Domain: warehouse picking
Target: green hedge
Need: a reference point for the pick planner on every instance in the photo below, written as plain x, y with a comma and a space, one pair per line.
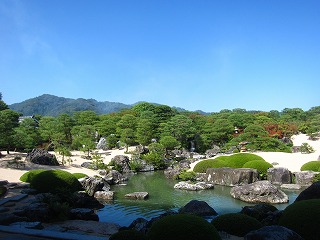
261, 166
232, 161
201, 167
239, 159
311, 166
184, 227
52, 181
303, 218
237, 224
28, 176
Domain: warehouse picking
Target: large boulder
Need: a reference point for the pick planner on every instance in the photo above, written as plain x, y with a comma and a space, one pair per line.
312, 192
83, 214
42, 157
305, 178
273, 233
231, 176
102, 144
279, 176
121, 162
114, 177
200, 208
259, 192
92, 185
193, 186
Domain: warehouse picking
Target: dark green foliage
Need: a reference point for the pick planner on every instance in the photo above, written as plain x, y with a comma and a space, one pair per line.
261, 166
187, 176
28, 176
128, 235
306, 148
184, 227
311, 166
79, 175
201, 167
237, 224
54, 181
303, 218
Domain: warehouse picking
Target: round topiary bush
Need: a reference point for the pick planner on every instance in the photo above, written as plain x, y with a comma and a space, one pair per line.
303, 218
184, 227
237, 224
311, 166
239, 159
201, 167
261, 166
28, 176
54, 181
128, 235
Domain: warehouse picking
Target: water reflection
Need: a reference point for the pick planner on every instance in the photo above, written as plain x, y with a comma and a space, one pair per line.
163, 197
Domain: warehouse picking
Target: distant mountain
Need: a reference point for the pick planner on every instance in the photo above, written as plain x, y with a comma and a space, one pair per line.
50, 105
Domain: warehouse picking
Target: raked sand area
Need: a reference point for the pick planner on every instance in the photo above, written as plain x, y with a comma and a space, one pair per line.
292, 161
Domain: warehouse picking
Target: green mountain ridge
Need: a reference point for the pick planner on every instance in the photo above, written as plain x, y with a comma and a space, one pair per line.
50, 105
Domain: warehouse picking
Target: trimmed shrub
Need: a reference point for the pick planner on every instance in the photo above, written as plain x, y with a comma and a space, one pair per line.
201, 167
303, 218
55, 181
311, 166
239, 159
28, 176
237, 224
79, 175
184, 227
128, 235
187, 176
261, 166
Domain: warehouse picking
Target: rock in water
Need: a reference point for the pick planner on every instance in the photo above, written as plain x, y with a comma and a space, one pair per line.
137, 195
200, 208
259, 192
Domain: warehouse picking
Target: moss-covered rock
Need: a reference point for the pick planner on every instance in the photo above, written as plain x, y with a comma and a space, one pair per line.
237, 224
184, 227
303, 218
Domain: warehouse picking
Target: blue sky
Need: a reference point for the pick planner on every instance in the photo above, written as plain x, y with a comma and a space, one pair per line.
205, 54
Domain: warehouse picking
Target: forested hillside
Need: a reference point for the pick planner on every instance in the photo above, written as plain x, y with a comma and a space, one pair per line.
160, 127
49, 105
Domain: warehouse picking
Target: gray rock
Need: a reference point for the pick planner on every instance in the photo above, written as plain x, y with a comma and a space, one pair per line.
104, 195
83, 214
92, 185
193, 186
273, 233
291, 186
122, 162
200, 208
29, 225
231, 176
42, 157
304, 178
172, 173
3, 182
102, 144
312, 192
81, 199
279, 176
115, 177
36, 211
259, 211
212, 152
259, 192
137, 195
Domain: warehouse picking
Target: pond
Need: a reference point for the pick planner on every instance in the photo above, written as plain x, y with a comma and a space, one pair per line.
163, 197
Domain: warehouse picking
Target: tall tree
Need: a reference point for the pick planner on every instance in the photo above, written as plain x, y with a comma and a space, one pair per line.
9, 120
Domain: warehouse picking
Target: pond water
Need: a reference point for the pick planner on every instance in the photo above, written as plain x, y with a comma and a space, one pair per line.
163, 197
